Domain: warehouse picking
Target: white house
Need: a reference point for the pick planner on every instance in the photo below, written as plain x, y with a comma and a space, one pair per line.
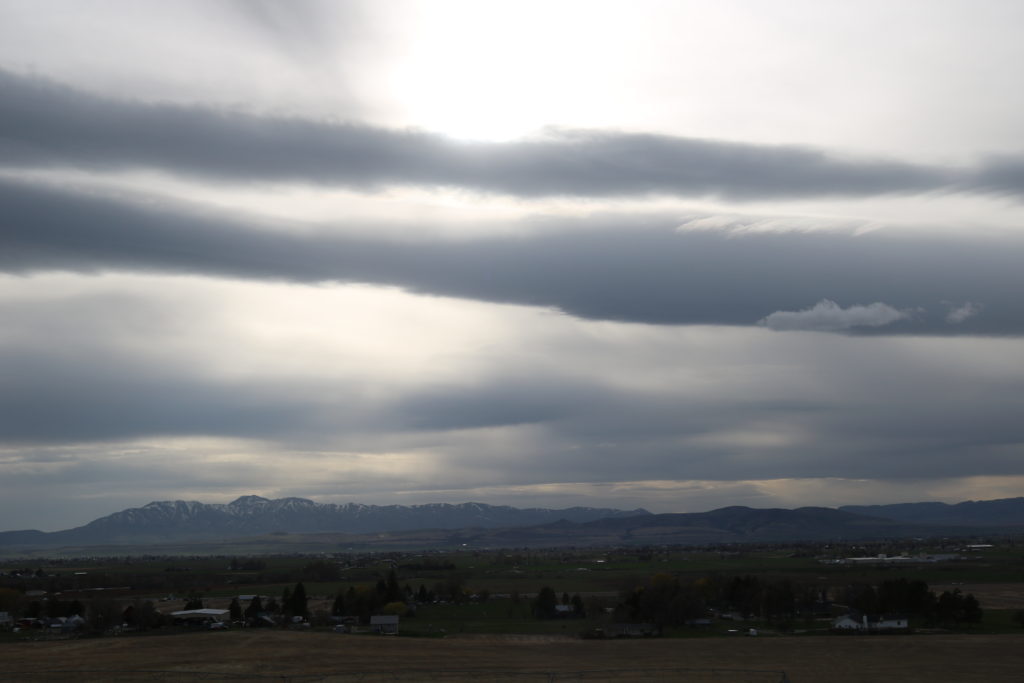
890, 622
848, 622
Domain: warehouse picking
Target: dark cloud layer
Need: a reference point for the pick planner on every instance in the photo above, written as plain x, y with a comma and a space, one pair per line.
93, 395
47, 124
617, 267
1000, 175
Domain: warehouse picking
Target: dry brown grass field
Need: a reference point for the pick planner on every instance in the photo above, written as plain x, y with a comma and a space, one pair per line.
283, 655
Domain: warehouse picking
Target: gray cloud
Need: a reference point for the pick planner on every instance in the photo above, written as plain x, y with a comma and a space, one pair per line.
1002, 175
857, 408
615, 267
47, 124
828, 316
96, 394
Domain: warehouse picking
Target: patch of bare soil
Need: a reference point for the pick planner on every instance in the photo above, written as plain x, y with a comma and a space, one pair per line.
297, 656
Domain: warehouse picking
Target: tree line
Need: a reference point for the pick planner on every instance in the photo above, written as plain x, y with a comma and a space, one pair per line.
666, 600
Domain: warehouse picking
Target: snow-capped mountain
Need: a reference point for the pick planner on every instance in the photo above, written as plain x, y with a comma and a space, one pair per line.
252, 515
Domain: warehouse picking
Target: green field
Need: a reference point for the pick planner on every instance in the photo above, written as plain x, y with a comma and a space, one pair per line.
494, 591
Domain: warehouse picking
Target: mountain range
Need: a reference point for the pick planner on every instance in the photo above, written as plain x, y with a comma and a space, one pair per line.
259, 522
1000, 512
181, 520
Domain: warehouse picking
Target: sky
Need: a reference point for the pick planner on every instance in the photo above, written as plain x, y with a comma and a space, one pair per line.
672, 255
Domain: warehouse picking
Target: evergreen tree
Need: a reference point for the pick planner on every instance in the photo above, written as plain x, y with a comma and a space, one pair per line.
664, 601
743, 593
235, 610
544, 605
393, 592
577, 605
338, 607
954, 608
147, 615
971, 609
299, 602
902, 595
103, 613
254, 608
56, 608
11, 601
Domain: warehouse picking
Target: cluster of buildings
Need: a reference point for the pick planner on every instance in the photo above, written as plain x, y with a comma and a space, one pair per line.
883, 559
53, 625
216, 619
857, 622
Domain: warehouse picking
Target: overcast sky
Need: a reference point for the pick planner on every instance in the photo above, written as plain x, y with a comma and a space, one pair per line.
677, 255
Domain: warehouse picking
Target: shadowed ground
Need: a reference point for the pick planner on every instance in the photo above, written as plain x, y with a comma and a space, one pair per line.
322, 656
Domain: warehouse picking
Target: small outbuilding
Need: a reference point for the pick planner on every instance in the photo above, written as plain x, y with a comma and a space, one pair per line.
385, 624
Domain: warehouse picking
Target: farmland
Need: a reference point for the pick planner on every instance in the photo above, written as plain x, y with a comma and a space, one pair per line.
474, 615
